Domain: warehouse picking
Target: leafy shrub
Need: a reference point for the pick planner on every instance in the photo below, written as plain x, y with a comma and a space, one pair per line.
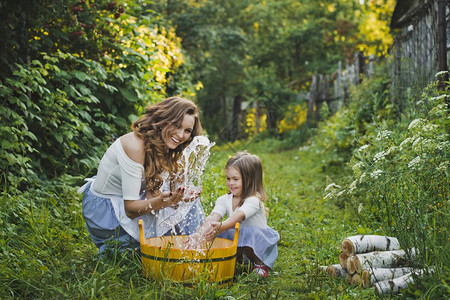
400, 185
61, 108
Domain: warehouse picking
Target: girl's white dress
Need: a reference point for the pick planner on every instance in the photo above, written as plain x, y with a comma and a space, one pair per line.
253, 231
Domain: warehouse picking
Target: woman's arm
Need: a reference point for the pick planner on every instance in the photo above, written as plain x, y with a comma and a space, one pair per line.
151, 204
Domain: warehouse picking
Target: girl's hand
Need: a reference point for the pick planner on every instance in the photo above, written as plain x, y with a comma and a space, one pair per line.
213, 231
193, 241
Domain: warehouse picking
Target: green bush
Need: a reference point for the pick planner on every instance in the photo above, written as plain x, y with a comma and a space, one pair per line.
91, 71
400, 185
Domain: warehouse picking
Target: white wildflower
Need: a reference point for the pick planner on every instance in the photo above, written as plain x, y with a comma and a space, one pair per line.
417, 142
415, 123
443, 145
405, 143
443, 166
361, 178
381, 155
352, 187
357, 167
440, 73
433, 99
384, 134
332, 185
328, 196
429, 127
439, 110
376, 174
340, 193
413, 164
363, 147
360, 207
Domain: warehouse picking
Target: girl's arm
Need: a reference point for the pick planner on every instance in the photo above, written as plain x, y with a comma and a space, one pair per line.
218, 227
198, 236
206, 225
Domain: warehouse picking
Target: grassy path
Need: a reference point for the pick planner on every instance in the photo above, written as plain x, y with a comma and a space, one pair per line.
310, 228
47, 252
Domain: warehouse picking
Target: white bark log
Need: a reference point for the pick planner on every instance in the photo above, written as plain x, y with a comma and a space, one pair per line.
356, 279
343, 260
336, 271
373, 275
393, 286
351, 266
348, 278
368, 243
378, 259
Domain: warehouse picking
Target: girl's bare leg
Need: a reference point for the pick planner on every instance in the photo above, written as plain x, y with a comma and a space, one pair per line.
251, 254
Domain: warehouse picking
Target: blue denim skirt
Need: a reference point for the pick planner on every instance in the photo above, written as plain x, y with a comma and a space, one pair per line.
106, 231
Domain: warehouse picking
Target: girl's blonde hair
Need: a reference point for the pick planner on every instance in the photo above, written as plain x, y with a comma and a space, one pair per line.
251, 170
149, 127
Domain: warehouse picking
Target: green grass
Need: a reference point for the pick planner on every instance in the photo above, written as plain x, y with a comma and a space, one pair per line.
47, 253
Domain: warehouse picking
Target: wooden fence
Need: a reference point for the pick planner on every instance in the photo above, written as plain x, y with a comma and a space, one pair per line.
420, 50
333, 89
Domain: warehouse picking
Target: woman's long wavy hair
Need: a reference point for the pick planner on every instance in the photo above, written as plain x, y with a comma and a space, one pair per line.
149, 127
251, 170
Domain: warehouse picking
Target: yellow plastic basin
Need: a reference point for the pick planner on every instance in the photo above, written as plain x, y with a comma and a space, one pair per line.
166, 258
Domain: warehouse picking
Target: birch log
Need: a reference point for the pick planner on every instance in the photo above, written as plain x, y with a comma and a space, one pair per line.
343, 260
393, 286
373, 275
368, 243
377, 259
336, 271
356, 279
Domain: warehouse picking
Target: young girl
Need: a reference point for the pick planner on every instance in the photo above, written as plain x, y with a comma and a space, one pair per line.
245, 204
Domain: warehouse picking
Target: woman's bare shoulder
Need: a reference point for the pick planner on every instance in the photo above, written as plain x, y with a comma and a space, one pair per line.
133, 147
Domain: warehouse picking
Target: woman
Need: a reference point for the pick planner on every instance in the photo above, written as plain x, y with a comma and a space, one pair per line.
135, 179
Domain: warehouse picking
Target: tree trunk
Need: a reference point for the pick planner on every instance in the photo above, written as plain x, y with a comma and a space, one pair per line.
368, 243
234, 130
371, 276
442, 45
377, 259
313, 94
257, 117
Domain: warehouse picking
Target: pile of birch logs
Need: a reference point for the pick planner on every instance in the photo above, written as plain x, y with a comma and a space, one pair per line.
374, 260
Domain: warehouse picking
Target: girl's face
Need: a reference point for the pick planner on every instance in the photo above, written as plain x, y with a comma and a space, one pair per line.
234, 181
176, 134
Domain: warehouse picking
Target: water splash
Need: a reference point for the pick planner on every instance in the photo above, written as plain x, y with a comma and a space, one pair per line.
193, 161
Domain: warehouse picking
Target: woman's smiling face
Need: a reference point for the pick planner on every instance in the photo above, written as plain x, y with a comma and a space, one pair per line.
177, 133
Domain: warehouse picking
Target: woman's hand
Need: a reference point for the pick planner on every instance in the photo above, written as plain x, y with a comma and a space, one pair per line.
172, 198
151, 204
190, 194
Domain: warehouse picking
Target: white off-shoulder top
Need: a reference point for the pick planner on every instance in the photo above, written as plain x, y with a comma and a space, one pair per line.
118, 174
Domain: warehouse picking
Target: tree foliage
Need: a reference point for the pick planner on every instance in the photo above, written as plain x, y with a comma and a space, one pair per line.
265, 52
74, 78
